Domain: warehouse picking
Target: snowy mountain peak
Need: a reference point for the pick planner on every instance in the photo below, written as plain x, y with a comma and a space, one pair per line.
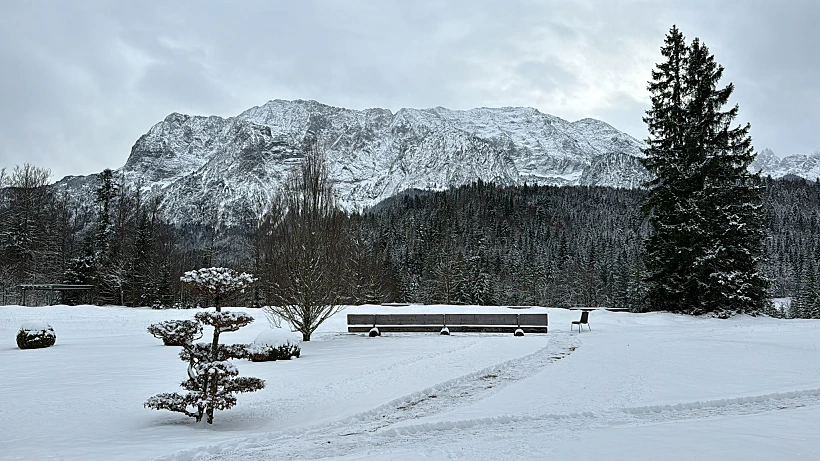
800, 165
209, 168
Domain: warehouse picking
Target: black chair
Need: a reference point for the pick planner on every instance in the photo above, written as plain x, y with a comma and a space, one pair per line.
584, 321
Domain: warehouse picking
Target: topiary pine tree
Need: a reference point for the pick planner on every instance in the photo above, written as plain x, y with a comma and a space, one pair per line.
218, 283
212, 380
705, 206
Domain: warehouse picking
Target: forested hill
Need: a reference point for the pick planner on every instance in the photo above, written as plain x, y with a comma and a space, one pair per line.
559, 246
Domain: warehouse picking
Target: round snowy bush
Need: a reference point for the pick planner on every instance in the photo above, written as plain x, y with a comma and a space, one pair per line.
275, 344
445, 331
374, 332
176, 332
35, 335
518, 332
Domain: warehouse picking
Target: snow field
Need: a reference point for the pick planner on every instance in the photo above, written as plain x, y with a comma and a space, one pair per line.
83, 398
647, 386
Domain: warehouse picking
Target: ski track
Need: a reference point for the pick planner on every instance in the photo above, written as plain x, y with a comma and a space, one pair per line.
371, 431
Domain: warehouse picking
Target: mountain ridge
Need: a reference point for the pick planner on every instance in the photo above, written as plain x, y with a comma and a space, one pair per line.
227, 170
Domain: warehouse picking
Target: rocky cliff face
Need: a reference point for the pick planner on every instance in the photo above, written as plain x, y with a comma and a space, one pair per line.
226, 170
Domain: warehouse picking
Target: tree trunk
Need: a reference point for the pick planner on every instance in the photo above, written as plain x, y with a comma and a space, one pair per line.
211, 384
305, 336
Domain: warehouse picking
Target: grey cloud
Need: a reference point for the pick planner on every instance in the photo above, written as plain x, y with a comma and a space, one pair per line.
82, 80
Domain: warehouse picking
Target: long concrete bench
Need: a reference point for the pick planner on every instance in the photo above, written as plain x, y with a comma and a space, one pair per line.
455, 323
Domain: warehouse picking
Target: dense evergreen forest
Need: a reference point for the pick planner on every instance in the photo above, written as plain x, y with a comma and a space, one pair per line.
564, 246
477, 244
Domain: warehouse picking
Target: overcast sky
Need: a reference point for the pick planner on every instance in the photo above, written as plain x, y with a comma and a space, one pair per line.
80, 80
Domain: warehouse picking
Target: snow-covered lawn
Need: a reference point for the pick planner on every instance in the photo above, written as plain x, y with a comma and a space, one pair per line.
637, 387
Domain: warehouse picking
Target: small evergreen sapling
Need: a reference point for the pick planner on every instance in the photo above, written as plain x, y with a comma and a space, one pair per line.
212, 380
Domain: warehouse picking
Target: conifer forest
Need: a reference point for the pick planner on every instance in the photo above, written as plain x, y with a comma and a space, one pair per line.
477, 244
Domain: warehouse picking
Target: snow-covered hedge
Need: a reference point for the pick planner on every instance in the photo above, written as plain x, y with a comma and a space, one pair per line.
176, 332
275, 344
35, 335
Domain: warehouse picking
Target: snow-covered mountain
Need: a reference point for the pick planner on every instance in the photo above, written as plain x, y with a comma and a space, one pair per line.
214, 169
227, 169
803, 165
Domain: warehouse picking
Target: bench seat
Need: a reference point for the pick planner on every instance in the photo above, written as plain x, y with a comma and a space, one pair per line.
455, 323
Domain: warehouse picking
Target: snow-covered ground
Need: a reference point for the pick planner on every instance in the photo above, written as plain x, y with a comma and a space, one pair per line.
637, 387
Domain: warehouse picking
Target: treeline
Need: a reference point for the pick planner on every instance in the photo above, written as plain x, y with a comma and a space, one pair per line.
476, 244
567, 246
117, 243
486, 244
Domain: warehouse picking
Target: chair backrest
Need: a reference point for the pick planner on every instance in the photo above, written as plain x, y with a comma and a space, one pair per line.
585, 317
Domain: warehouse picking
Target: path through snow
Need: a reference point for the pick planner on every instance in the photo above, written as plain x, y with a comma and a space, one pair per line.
391, 428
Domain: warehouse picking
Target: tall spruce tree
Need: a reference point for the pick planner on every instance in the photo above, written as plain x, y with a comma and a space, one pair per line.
705, 206
668, 255
730, 197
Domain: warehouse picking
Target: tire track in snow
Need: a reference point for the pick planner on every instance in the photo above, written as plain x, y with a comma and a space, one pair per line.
459, 391
433, 400
556, 424
321, 445
362, 382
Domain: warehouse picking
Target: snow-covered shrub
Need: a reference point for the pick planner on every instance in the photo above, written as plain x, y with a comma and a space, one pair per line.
445, 331
518, 332
176, 332
374, 332
179, 305
35, 335
212, 380
275, 344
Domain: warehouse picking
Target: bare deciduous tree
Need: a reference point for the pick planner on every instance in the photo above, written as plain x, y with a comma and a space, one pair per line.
305, 248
